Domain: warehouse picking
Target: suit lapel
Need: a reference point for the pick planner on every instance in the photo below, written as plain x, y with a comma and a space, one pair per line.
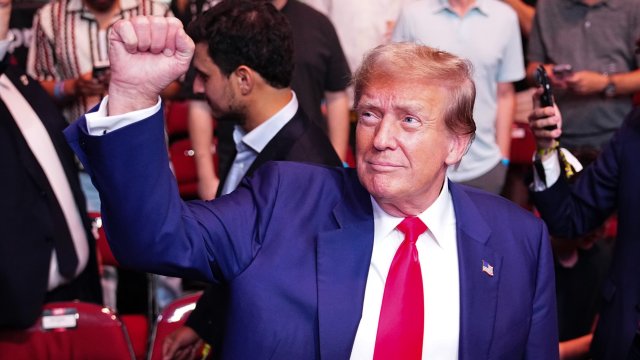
281, 144
478, 285
55, 124
24, 151
343, 259
226, 150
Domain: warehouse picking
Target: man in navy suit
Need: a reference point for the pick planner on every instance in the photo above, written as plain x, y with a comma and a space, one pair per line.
262, 51
607, 185
307, 250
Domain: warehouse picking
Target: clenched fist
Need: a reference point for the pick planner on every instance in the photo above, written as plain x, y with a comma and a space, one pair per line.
146, 54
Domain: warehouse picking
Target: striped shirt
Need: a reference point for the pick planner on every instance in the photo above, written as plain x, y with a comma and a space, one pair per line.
67, 43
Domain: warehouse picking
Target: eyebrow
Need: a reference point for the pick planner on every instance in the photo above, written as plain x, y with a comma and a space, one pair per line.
408, 106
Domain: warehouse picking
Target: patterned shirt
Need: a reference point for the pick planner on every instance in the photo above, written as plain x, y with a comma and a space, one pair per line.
67, 43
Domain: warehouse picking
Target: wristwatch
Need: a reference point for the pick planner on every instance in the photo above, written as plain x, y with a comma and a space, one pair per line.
610, 90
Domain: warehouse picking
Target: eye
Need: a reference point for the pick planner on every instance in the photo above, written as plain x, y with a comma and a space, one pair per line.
367, 117
202, 76
411, 121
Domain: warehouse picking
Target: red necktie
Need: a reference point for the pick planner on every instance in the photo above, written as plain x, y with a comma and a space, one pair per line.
401, 325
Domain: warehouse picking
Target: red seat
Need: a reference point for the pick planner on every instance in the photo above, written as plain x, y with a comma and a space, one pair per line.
172, 317
180, 150
137, 325
523, 144
69, 330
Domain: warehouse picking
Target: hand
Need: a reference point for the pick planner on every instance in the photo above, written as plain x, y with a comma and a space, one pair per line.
557, 82
85, 85
5, 15
146, 54
587, 82
181, 344
542, 117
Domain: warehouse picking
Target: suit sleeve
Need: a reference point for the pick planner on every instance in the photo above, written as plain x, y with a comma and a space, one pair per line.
148, 226
571, 211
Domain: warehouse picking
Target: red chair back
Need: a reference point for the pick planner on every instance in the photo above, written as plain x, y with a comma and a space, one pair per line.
523, 144
181, 152
172, 317
71, 331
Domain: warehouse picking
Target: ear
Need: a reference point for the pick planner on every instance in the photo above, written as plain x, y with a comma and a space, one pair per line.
458, 146
245, 79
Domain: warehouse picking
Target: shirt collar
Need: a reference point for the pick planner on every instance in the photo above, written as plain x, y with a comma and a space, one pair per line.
258, 138
437, 217
613, 4
441, 5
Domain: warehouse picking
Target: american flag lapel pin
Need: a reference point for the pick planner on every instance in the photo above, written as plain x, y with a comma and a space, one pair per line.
487, 268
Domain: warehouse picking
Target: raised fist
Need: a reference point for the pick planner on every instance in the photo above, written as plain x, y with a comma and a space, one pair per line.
146, 54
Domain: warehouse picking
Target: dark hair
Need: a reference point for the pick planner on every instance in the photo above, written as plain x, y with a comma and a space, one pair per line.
419, 63
247, 32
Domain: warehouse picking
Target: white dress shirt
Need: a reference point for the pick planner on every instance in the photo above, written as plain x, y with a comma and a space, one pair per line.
438, 254
552, 170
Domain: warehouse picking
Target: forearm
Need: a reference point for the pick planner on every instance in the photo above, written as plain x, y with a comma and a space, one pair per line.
5, 14
338, 121
201, 135
66, 89
504, 117
576, 348
626, 83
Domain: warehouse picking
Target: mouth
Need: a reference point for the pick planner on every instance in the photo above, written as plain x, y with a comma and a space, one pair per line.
383, 166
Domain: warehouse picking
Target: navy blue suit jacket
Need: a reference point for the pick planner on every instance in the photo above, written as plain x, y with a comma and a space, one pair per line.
299, 140
611, 183
294, 242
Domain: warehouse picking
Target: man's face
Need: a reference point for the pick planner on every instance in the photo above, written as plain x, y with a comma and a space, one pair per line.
100, 5
218, 88
403, 147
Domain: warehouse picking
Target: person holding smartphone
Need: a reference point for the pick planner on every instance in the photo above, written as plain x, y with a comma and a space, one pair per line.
587, 48
608, 185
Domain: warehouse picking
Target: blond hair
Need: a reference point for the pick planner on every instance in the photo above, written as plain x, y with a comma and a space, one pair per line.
426, 65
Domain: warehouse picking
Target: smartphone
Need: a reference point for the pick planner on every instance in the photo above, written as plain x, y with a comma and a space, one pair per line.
562, 71
546, 99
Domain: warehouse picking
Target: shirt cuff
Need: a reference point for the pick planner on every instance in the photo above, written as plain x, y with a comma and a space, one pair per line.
4, 45
98, 123
552, 170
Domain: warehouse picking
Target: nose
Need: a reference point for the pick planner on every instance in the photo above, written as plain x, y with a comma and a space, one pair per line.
198, 85
385, 137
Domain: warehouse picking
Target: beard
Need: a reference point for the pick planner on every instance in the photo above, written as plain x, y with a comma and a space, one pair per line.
234, 112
